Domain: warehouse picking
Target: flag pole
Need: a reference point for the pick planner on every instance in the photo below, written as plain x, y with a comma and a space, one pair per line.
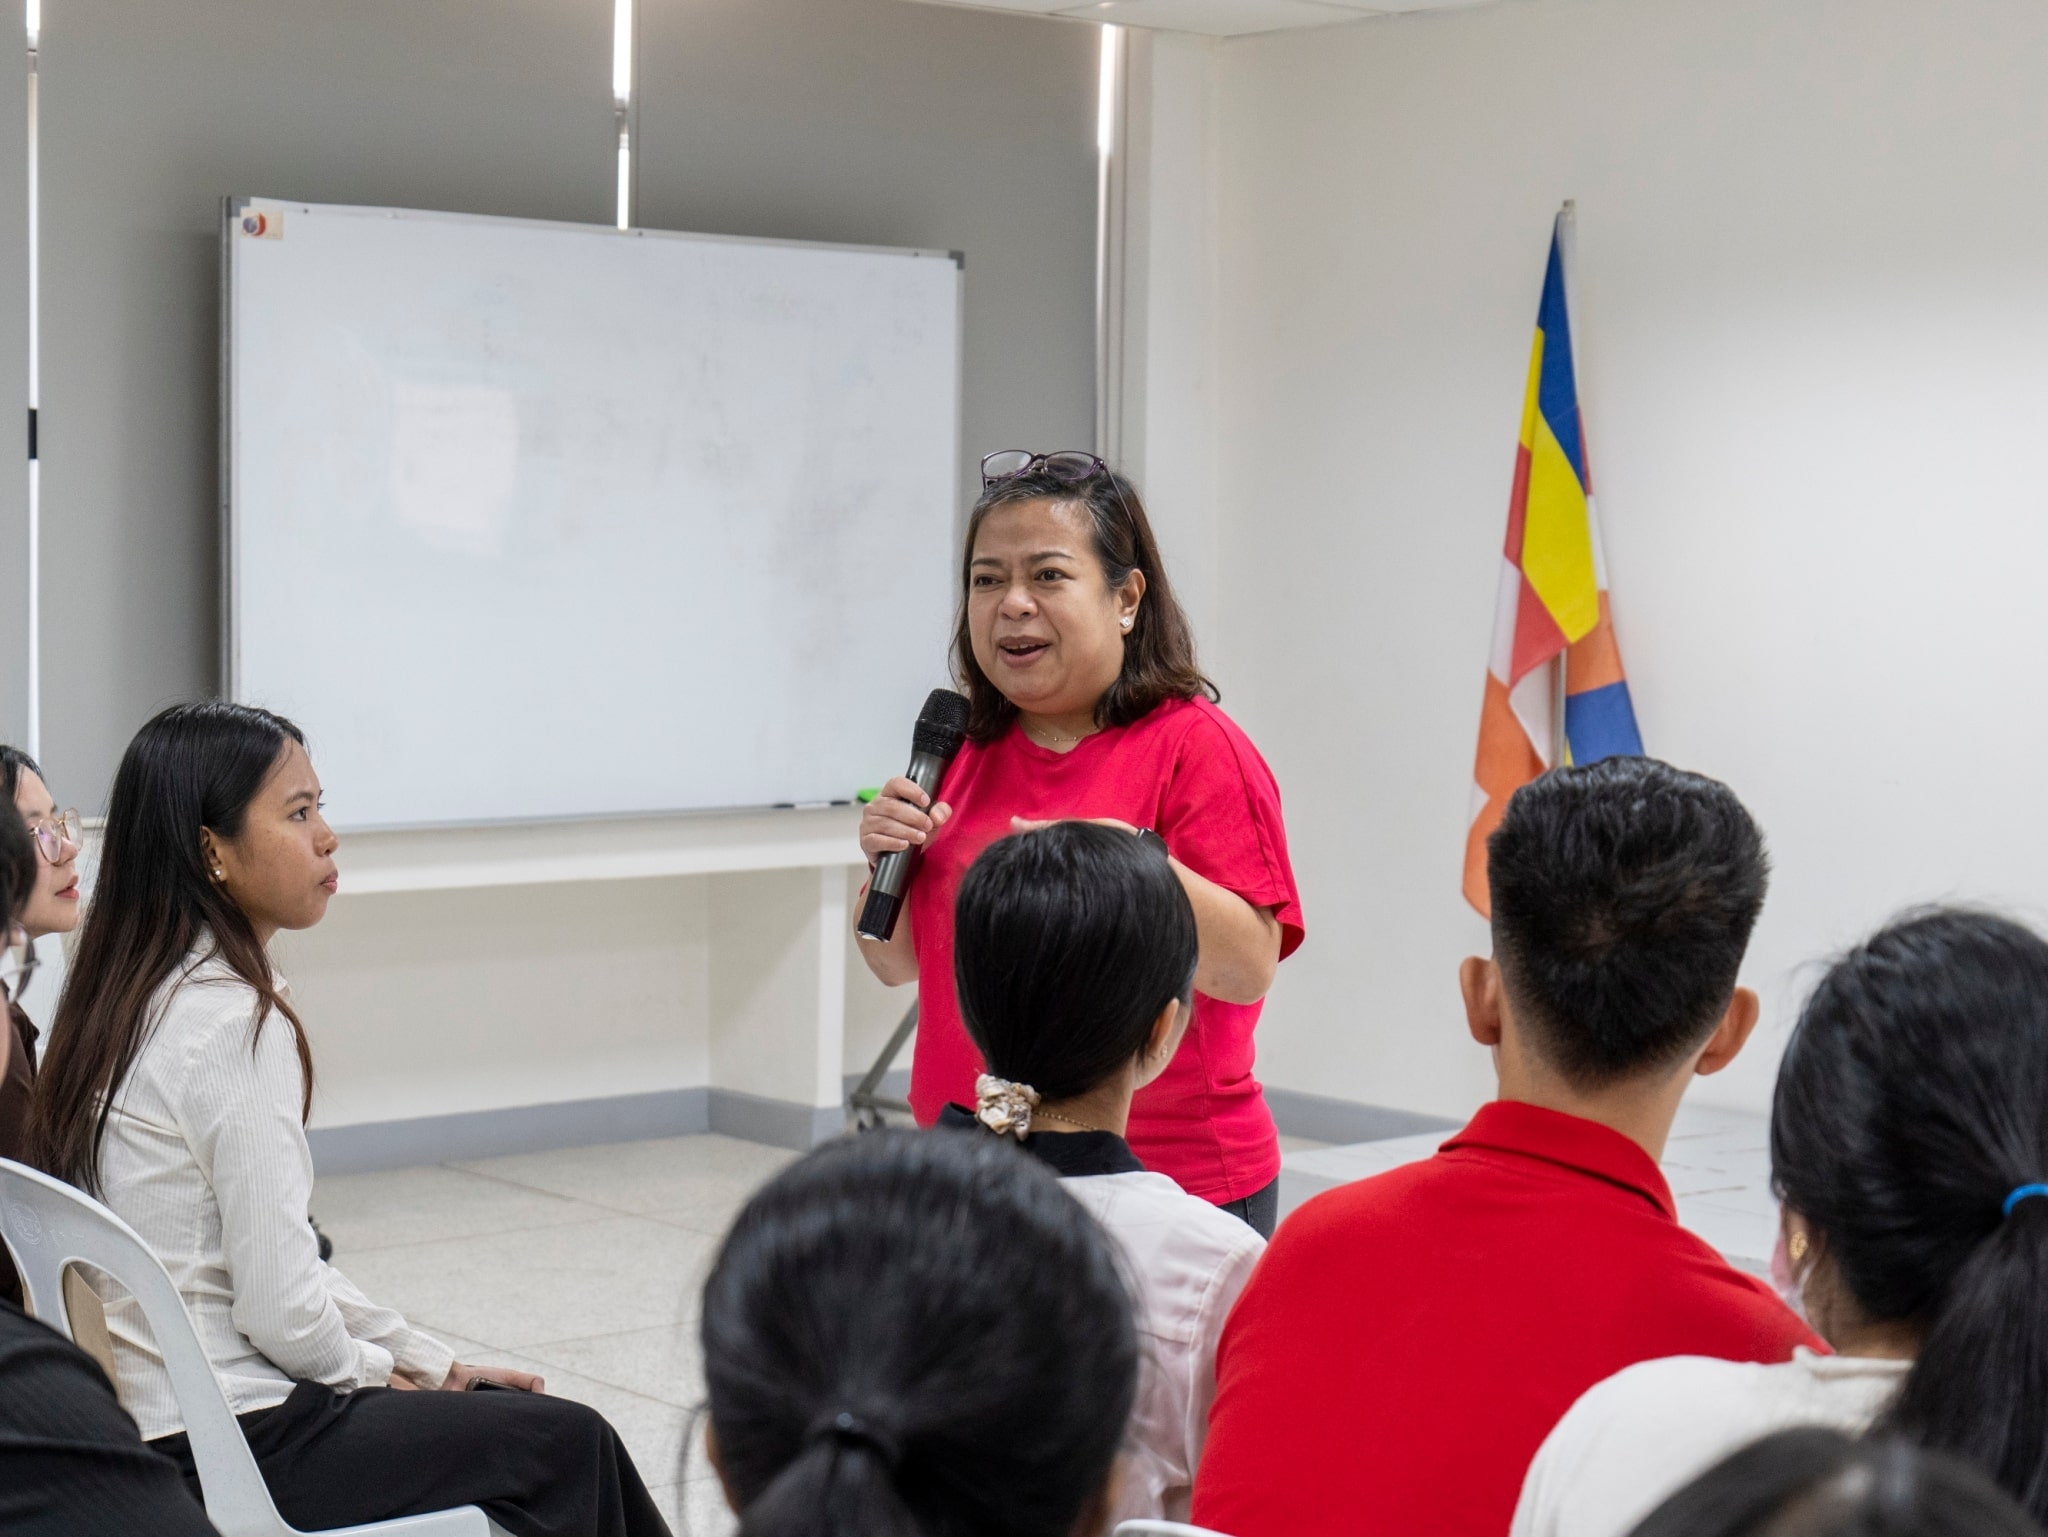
1567, 230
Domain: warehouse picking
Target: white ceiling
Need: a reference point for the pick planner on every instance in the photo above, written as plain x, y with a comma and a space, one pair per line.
1213, 18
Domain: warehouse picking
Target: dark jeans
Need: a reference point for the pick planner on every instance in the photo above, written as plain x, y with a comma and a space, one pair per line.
1259, 1211
538, 1466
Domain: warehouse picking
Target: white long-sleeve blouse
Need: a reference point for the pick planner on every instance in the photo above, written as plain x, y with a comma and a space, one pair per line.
205, 1157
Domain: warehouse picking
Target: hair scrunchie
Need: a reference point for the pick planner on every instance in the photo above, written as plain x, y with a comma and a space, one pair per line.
2020, 1193
1004, 1107
849, 1429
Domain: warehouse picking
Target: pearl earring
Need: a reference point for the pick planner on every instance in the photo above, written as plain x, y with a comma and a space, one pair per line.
1127, 621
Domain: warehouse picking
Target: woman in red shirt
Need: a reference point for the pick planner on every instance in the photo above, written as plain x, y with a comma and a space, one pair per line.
1085, 702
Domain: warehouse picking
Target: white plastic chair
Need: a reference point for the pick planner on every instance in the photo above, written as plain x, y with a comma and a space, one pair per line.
49, 1227
1162, 1529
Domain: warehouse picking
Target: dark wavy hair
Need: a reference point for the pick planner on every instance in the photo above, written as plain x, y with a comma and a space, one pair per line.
1067, 943
190, 767
910, 1334
1815, 1482
1913, 1098
1159, 652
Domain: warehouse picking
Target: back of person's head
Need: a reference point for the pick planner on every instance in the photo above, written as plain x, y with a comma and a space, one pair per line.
1813, 1482
909, 1334
1624, 893
17, 868
1911, 1105
191, 767
1068, 944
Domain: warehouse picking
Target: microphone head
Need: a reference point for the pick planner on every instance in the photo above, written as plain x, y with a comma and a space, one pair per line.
941, 724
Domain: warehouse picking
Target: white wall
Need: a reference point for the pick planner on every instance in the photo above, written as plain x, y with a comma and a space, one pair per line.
1815, 349
435, 1003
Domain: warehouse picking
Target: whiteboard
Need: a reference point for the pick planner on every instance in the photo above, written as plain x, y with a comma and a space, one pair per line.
529, 520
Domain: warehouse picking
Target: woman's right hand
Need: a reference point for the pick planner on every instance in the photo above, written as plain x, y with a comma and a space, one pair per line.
901, 817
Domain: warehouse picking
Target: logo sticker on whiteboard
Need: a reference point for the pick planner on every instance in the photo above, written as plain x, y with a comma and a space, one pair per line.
263, 223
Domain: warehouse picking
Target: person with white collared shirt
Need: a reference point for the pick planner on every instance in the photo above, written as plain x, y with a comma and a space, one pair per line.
176, 1089
1074, 960
1909, 1145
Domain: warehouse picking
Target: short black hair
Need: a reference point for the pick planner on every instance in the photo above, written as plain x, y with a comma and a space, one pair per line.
1624, 893
1816, 1482
1067, 943
917, 1335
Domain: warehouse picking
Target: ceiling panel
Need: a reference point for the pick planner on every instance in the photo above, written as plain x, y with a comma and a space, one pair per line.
1215, 18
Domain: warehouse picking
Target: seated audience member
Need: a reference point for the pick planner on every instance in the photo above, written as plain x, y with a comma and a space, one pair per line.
49, 906
71, 1464
175, 1089
1074, 962
1408, 1340
1819, 1483
907, 1333
1908, 1133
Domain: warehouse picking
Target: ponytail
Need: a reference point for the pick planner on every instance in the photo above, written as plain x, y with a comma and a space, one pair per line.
832, 1487
1980, 1385
908, 1335
1911, 1108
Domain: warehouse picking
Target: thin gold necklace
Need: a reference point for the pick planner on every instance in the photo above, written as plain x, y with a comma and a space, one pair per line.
1053, 738
1054, 1115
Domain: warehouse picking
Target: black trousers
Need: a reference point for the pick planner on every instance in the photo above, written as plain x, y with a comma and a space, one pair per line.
1260, 1210
538, 1466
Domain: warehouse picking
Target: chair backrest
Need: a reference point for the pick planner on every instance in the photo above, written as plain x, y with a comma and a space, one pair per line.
86, 1317
49, 1227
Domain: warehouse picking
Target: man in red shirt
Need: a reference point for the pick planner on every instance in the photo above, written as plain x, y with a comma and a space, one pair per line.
1408, 1340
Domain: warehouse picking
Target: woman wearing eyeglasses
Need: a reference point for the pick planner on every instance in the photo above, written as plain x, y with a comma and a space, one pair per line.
1085, 702
51, 908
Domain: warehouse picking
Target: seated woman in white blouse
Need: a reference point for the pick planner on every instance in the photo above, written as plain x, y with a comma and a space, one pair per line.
1909, 1145
176, 1088
1074, 961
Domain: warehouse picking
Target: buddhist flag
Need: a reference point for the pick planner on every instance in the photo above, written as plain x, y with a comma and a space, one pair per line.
1551, 625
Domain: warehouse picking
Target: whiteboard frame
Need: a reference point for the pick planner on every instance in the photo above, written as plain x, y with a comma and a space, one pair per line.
232, 208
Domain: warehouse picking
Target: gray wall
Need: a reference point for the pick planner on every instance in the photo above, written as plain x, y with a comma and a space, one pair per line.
883, 123
14, 395
857, 120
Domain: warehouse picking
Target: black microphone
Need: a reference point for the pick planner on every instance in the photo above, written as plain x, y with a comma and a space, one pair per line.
941, 728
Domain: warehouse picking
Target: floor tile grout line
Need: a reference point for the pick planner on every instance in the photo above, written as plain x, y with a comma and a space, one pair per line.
607, 1215
623, 1211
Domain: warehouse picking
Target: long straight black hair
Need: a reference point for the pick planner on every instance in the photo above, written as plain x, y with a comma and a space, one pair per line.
917, 1335
192, 766
1912, 1102
13, 764
17, 868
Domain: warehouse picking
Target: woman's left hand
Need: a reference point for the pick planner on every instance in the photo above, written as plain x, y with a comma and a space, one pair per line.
1239, 943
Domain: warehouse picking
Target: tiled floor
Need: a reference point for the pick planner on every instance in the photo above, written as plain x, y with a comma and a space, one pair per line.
1718, 1163
583, 1265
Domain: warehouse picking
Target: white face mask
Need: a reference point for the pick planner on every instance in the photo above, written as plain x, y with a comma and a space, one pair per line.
1785, 1284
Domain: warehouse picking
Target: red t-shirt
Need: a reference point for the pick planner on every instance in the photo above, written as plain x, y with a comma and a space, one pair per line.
1186, 771
1408, 1341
